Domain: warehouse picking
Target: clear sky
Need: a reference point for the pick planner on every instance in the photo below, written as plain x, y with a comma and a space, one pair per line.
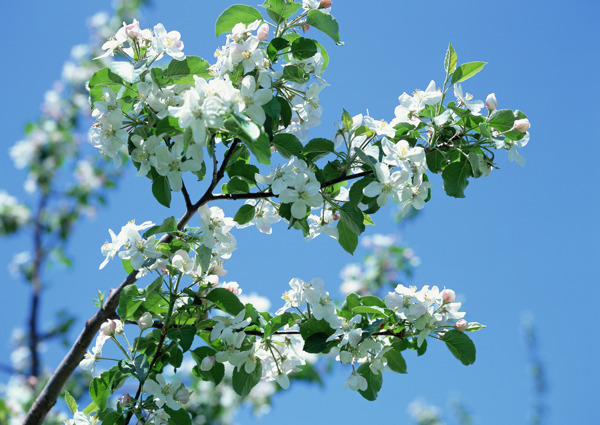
525, 239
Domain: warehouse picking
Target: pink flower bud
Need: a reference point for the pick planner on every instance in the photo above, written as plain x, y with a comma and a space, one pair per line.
124, 400
232, 287
490, 102
207, 363
325, 4
145, 321
522, 125
263, 32
108, 327
182, 395
133, 30
448, 296
461, 325
306, 27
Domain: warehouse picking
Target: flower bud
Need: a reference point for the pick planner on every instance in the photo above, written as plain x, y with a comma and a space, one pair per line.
108, 327
263, 32
325, 4
133, 30
145, 321
207, 363
124, 400
522, 125
461, 325
448, 296
305, 27
182, 395
490, 102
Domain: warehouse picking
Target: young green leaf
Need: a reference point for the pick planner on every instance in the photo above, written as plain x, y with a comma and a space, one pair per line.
450, 59
70, 402
245, 214
466, 71
234, 15
324, 22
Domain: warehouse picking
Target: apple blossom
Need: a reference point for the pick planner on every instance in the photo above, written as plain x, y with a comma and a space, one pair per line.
490, 102
522, 125
461, 325
145, 321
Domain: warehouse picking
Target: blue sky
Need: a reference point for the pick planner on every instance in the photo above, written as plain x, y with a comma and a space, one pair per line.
525, 239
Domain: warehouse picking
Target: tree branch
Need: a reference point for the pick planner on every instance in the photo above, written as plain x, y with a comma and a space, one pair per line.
47, 398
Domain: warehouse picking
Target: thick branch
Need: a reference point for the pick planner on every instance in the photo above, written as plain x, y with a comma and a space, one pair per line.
49, 394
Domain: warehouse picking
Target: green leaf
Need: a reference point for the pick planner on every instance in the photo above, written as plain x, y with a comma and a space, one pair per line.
243, 170
316, 343
502, 119
461, 346
374, 380
272, 108
280, 10
304, 48
129, 301
436, 160
275, 46
127, 266
225, 301
90, 408
110, 417
295, 74
261, 149
478, 164
102, 386
314, 333
353, 218
71, 402
395, 361
169, 225
318, 148
347, 238
184, 336
182, 72
287, 145
203, 257
234, 15
456, 177
286, 111
177, 417
236, 185
245, 214
347, 120
474, 326
244, 382
278, 322
466, 71
161, 189
168, 125
324, 22
104, 78
356, 190
450, 59
216, 373
374, 311
142, 367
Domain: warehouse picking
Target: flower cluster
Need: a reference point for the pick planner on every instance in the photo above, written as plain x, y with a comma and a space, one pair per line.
13, 215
